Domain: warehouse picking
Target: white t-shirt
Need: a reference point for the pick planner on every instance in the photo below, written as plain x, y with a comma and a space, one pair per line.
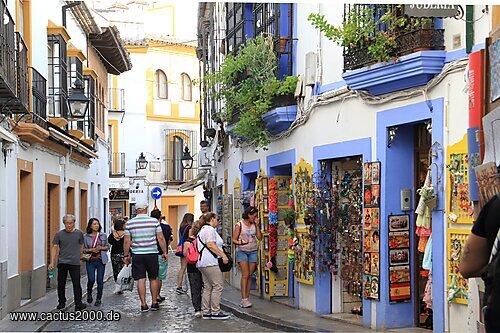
208, 234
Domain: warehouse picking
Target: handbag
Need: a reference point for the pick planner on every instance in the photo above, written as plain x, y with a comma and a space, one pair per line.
87, 256
226, 267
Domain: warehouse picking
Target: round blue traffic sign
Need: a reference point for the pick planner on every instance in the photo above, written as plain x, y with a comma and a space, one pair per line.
156, 193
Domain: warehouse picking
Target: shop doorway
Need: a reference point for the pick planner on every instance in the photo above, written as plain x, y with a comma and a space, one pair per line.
341, 181
52, 221
25, 227
173, 221
422, 146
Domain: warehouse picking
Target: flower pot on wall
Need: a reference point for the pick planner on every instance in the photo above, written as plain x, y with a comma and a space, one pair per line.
283, 44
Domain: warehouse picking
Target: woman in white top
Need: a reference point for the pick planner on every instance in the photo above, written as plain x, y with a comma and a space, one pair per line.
245, 236
209, 245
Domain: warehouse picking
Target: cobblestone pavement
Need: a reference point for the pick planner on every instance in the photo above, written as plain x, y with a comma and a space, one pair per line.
176, 313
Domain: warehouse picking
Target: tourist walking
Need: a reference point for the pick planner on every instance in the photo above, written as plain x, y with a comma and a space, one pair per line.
245, 236
187, 222
209, 245
194, 274
141, 234
67, 251
162, 264
95, 243
115, 239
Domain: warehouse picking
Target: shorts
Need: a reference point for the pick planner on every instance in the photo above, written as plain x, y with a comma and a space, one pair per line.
248, 256
162, 269
145, 263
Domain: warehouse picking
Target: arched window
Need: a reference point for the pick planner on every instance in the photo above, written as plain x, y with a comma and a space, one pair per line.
186, 87
161, 90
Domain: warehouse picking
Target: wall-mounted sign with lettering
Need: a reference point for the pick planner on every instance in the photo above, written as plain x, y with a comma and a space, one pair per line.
431, 10
118, 195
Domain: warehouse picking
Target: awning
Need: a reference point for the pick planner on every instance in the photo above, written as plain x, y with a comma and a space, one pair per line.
197, 181
111, 49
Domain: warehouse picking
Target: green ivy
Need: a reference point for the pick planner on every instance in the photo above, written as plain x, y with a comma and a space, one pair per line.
246, 82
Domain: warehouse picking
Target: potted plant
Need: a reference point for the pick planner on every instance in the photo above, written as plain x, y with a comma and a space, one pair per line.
246, 82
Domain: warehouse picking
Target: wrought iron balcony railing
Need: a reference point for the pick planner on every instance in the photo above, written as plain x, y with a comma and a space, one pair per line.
22, 90
117, 164
116, 100
177, 140
416, 34
39, 101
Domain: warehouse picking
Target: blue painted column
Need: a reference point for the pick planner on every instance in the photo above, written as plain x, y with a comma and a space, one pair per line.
395, 176
280, 164
323, 282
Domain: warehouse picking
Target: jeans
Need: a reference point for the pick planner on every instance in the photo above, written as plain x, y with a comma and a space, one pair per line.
62, 275
92, 266
196, 285
213, 284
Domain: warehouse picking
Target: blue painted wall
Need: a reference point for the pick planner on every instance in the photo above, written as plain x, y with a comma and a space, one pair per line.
249, 172
323, 282
394, 177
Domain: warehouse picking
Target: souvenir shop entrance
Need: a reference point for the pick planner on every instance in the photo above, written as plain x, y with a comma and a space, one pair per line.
423, 279
343, 184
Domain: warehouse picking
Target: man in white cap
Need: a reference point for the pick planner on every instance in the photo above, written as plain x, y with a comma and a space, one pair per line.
141, 234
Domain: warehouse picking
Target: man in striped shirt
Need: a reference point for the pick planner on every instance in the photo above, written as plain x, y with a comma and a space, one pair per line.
141, 234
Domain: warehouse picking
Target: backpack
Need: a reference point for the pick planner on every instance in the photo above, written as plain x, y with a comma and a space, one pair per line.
191, 252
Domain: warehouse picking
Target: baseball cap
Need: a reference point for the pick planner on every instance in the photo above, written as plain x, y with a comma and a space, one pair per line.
141, 204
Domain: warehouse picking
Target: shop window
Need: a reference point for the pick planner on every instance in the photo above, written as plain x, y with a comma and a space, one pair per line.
58, 77
161, 84
186, 87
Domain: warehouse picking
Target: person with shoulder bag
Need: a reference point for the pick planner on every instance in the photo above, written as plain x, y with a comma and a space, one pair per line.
194, 275
95, 244
187, 222
481, 258
209, 245
245, 236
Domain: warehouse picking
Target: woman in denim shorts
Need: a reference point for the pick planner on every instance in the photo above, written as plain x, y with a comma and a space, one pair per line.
245, 236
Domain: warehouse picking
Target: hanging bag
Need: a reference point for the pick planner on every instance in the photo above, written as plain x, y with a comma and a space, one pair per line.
124, 280
87, 256
223, 267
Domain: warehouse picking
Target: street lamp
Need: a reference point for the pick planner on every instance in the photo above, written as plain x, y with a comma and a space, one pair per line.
141, 163
77, 101
187, 159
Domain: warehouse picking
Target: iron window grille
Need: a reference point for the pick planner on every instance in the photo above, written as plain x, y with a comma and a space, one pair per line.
235, 26
89, 128
176, 140
58, 77
39, 102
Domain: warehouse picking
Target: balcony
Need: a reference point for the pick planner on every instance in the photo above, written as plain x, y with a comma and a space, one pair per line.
39, 102
418, 56
116, 100
117, 165
14, 89
177, 140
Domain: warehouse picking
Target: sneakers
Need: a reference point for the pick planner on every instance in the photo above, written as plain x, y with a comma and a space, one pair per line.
98, 302
61, 306
160, 299
220, 316
89, 298
144, 308
80, 307
180, 291
245, 303
197, 314
206, 316
155, 307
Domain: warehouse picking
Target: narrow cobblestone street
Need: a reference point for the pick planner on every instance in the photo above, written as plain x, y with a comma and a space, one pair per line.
176, 313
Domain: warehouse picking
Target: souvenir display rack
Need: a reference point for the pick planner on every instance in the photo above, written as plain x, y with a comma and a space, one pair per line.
458, 200
457, 285
304, 262
371, 227
399, 258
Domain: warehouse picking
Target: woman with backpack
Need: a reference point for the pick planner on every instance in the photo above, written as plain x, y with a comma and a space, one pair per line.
245, 236
194, 274
209, 245
187, 222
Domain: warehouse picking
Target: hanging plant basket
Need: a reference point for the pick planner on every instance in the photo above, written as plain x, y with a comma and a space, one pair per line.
431, 203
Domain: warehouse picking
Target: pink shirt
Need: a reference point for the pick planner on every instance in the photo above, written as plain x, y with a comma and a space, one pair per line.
247, 234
